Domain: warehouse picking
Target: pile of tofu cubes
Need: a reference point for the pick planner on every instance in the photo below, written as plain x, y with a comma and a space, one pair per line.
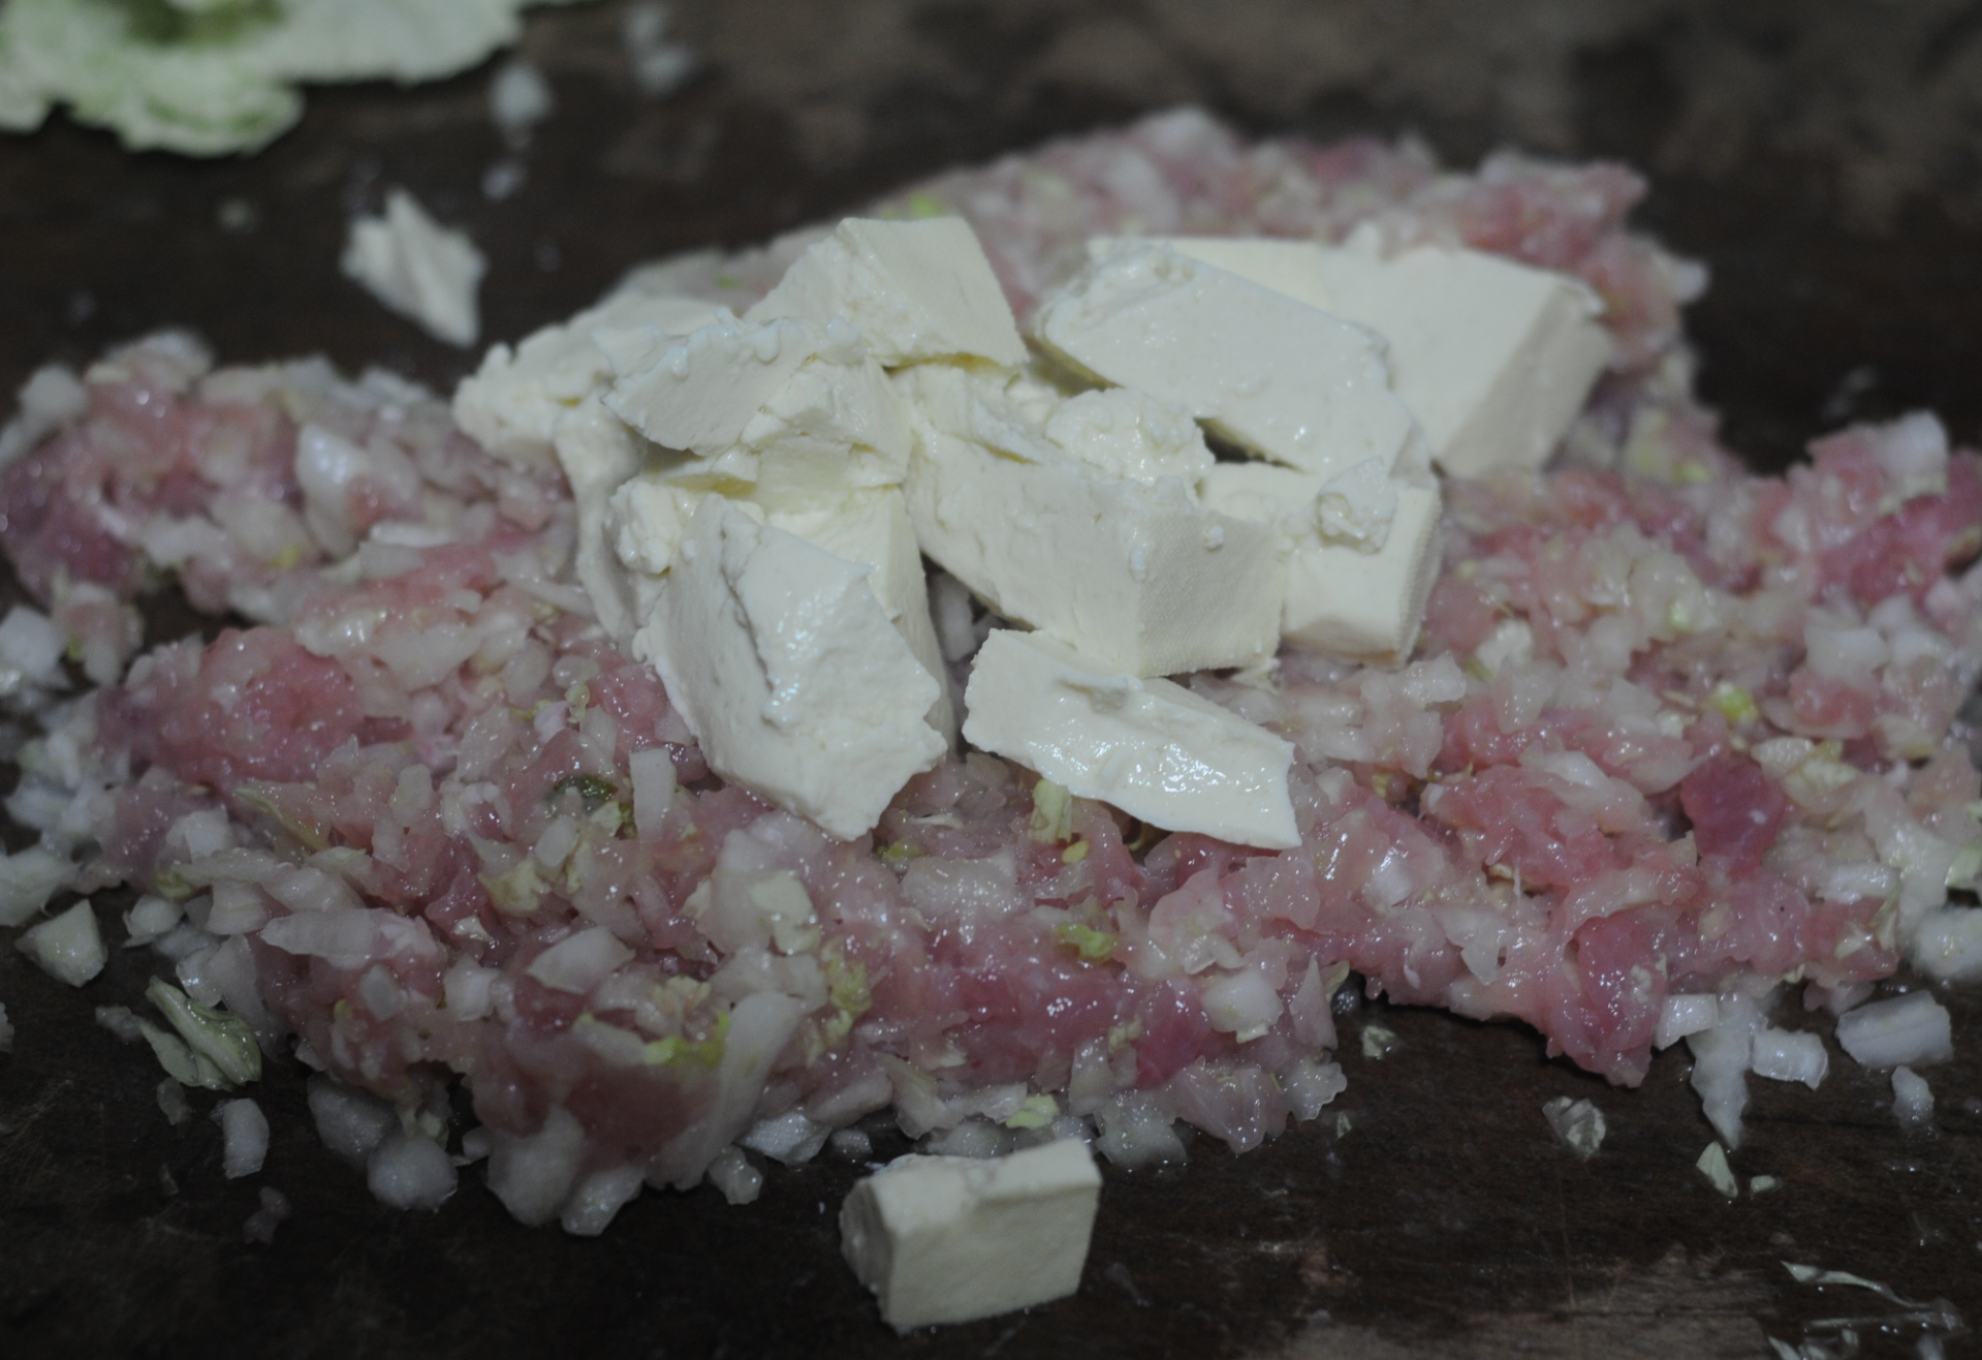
756, 495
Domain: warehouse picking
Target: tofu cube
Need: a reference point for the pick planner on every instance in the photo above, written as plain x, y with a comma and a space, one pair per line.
788, 670
916, 291
949, 1239
1283, 380
1493, 357
512, 403
1340, 597
1137, 576
1149, 747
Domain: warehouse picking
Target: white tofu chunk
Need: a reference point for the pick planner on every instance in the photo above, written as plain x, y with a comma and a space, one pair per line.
789, 672
424, 271
512, 402
1494, 358
1283, 380
836, 425
646, 516
949, 1239
872, 527
1130, 434
699, 392
1137, 576
598, 454
788, 411
1147, 746
917, 290
1340, 598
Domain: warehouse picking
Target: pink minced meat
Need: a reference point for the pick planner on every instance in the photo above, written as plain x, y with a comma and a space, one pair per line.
1669, 726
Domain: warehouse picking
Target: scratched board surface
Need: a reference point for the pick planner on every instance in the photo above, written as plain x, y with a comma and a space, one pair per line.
1823, 163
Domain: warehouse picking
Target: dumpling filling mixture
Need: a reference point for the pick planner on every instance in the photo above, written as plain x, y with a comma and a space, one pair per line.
600, 742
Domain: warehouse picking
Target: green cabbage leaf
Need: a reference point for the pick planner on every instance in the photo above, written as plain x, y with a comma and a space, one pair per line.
210, 77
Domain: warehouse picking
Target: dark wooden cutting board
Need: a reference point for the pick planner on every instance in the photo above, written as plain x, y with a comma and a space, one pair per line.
1826, 163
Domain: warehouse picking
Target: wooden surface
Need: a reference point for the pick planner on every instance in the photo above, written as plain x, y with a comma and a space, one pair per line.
1824, 161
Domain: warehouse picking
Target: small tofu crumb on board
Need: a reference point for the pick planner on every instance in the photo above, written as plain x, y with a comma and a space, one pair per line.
424, 271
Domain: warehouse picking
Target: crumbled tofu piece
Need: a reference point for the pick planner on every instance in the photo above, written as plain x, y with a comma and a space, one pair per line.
872, 527
646, 515
418, 268
784, 411
511, 403
836, 425
1130, 434
1147, 746
1494, 358
788, 670
1284, 380
1339, 598
645, 518
1136, 576
598, 454
916, 290
699, 392
948, 1239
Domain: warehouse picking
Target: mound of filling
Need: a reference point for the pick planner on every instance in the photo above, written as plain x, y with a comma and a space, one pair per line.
458, 790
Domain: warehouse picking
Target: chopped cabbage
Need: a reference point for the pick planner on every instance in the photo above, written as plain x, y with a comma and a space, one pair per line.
209, 77
212, 1049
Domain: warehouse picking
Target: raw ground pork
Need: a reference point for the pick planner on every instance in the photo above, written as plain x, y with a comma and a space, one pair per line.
1671, 730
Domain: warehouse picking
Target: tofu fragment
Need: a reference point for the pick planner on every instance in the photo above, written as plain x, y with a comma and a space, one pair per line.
916, 290
1283, 380
1137, 576
512, 402
1493, 357
698, 393
1130, 434
418, 268
872, 527
949, 1239
646, 516
1147, 746
599, 453
787, 411
1340, 597
789, 672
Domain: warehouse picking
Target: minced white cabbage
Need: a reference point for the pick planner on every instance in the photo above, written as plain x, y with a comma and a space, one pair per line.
27, 881
350, 1122
244, 1128
410, 1171
68, 947
1913, 1100
221, 76
1578, 1124
733, 1174
1911, 1029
